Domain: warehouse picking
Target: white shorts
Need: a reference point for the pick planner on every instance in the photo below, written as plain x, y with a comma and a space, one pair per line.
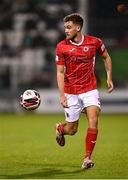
77, 102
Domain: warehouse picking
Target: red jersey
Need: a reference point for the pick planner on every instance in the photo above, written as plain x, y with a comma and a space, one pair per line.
79, 61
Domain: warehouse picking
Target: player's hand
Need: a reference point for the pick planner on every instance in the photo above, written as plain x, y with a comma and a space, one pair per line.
110, 86
63, 101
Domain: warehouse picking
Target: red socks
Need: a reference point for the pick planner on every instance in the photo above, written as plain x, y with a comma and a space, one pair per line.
90, 140
61, 128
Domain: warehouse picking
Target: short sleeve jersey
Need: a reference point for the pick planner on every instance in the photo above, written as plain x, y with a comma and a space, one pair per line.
79, 61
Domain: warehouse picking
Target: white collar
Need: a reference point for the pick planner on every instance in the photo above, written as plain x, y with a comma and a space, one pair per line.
77, 44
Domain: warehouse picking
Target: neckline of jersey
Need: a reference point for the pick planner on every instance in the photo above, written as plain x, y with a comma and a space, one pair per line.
77, 44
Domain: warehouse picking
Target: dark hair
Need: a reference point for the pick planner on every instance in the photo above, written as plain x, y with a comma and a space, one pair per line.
75, 18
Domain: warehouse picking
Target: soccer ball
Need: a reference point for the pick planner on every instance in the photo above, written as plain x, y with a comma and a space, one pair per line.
30, 100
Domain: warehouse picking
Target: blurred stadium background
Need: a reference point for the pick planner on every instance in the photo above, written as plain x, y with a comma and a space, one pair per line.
29, 32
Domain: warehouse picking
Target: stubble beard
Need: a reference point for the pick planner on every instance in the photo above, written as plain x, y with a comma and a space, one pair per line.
72, 38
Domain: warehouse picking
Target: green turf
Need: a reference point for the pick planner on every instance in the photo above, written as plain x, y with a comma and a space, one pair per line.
28, 148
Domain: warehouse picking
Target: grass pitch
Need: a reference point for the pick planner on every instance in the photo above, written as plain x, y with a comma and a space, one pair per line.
28, 148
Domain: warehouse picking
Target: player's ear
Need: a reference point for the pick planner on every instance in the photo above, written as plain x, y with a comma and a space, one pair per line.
78, 28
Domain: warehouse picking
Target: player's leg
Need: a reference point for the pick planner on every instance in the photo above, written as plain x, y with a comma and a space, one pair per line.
92, 110
72, 117
91, 135
68, 128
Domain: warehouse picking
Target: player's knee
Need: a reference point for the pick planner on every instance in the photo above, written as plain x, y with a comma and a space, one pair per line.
93, 122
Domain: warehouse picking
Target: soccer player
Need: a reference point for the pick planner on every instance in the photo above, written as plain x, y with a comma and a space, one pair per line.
75, 60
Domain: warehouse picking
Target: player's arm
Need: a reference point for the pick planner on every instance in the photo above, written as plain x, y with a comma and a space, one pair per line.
108, 67
60, 82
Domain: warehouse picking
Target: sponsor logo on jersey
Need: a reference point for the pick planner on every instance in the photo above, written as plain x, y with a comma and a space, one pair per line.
79, 59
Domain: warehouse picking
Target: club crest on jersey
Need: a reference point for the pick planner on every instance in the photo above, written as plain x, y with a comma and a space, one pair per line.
85, 48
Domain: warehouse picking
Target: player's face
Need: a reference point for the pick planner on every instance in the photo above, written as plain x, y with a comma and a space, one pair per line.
71, 30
